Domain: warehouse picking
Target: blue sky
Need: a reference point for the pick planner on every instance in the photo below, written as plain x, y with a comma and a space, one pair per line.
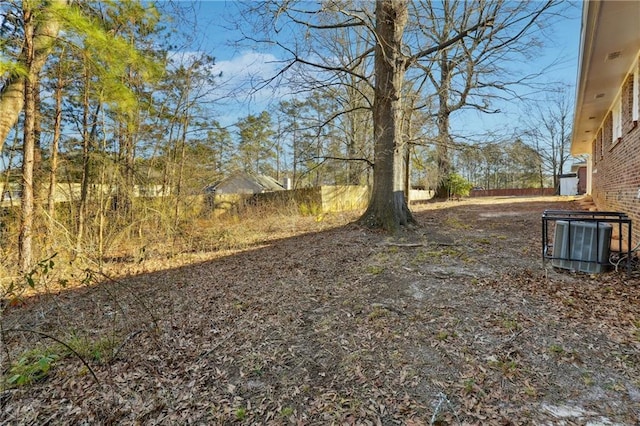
236, 65
214, 37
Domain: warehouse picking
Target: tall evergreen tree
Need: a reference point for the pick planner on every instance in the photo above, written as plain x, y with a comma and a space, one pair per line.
255, 143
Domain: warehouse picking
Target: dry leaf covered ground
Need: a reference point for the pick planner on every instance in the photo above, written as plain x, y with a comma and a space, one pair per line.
454, 322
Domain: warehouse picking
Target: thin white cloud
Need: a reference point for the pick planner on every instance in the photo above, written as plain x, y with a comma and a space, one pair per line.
240, 78
235, 93
248, 65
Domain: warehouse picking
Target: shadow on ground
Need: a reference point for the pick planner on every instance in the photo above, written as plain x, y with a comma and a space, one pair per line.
454, 322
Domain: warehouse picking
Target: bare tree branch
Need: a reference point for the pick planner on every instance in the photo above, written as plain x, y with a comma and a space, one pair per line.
426, 52
328, 157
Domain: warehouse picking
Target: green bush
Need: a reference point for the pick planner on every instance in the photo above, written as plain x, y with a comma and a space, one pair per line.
459, 186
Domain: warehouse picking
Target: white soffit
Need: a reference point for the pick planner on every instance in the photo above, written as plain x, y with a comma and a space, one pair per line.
610, 42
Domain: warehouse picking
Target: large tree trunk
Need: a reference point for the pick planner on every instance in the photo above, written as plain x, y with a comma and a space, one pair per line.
387, 206
28, 148
444, 137
12, 93
442, 156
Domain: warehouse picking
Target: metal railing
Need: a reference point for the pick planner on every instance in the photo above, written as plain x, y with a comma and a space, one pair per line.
621, 219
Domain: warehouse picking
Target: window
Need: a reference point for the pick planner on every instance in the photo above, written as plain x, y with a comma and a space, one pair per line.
616, 115
635, 109
607, 133
600, 147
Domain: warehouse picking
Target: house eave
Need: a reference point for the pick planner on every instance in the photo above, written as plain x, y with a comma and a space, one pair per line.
609, 42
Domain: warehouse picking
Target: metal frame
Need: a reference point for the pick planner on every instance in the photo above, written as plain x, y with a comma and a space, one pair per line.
584, 216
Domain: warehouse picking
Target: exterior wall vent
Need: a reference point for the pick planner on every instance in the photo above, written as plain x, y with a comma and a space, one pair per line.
581, 246
613, 55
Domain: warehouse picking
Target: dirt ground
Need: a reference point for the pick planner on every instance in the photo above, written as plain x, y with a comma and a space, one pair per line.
457, 321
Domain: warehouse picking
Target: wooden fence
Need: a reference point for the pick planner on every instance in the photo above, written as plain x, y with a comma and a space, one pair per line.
513, 192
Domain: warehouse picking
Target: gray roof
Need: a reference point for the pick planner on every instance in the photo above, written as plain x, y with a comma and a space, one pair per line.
245, 183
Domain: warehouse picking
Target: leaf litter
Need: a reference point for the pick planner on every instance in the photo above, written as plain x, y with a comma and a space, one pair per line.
457, 321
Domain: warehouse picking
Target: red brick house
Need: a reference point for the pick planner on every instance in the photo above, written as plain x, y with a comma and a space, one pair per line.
608, 106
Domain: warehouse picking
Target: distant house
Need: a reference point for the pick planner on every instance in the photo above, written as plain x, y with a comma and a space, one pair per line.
231, 193
607, 109
244, 183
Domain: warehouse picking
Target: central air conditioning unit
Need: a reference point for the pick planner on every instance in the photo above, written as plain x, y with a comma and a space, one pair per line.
581, 246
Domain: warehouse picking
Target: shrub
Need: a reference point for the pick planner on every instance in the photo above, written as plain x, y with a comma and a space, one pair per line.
459, 186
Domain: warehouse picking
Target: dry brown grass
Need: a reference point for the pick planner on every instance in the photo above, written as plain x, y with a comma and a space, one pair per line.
304, 321
153, 245
453, 322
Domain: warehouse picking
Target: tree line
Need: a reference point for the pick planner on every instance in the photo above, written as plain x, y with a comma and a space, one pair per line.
111, 95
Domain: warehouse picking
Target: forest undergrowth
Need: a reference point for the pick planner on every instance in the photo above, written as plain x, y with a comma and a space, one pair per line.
293, 319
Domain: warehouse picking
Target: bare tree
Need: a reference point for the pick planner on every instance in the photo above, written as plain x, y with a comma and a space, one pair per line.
478, 70
393, 56
388, 207
549, 132
60, 82
525, 164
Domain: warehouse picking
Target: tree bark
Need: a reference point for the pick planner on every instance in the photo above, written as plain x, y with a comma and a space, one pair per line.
86, 164
57, 123
179, 183
444, 137
387, 207
28, 147
12, 95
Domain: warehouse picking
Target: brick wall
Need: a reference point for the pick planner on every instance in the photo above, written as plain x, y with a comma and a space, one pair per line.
616, 164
